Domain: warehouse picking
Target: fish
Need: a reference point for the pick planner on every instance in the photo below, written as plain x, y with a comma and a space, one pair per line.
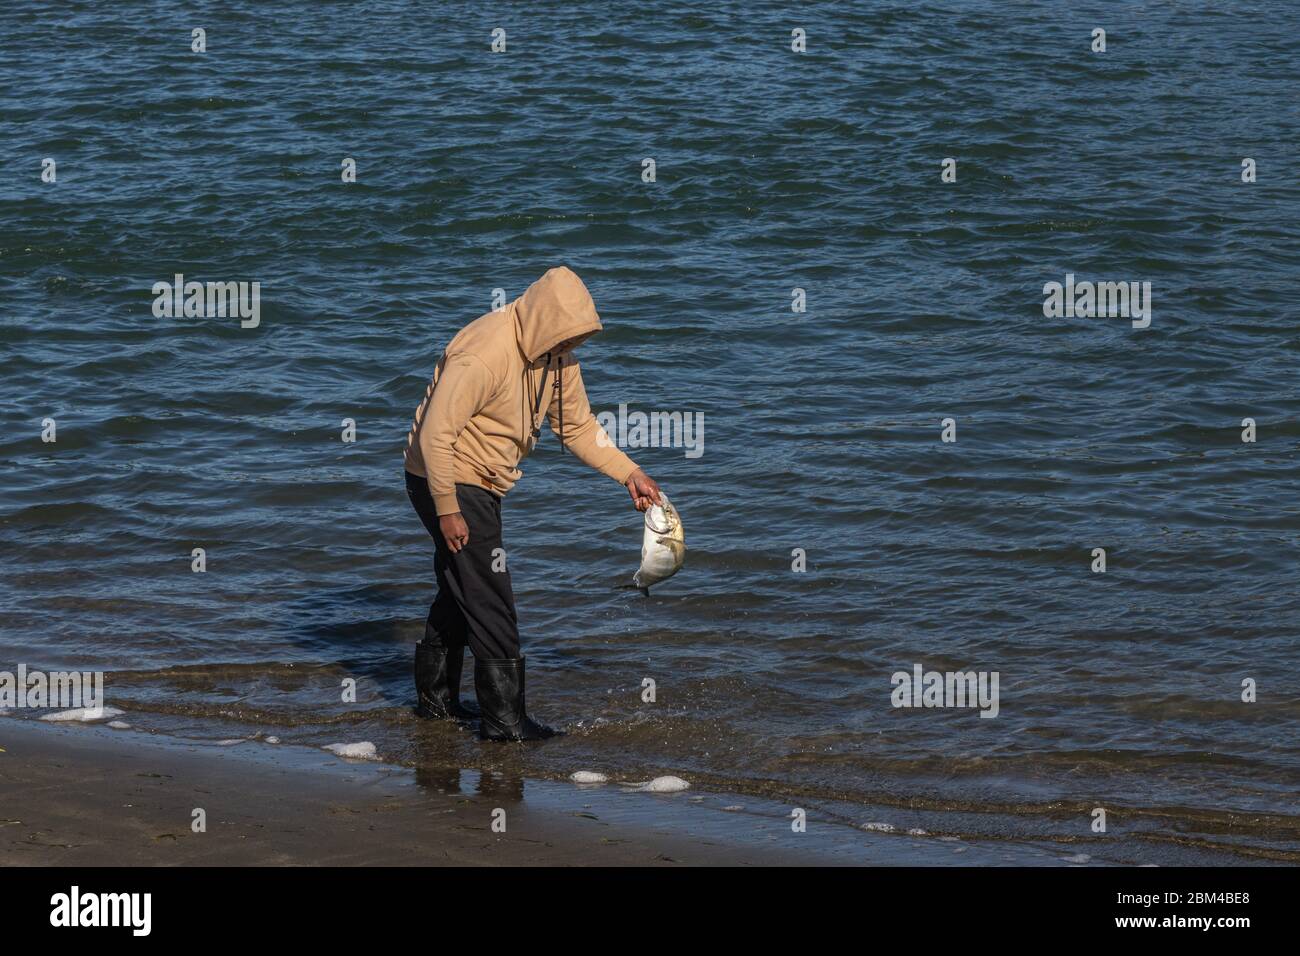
660, 785
663, 546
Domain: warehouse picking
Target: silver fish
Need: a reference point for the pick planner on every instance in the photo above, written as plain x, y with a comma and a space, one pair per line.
663, 546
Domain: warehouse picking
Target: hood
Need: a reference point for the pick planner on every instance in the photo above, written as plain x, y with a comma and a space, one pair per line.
554, 308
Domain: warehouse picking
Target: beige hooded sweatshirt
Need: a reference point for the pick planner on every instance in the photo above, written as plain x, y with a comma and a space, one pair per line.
481, 414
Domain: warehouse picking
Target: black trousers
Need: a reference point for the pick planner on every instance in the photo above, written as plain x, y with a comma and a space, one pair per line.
475, 605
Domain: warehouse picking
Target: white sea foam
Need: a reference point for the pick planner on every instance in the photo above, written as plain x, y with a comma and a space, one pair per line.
119, 725
588, 776
1077, 858
879, 827
662, 785
364, 750
272, 740
83, 714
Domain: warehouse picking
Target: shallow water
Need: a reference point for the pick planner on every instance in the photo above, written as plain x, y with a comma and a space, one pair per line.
477, 171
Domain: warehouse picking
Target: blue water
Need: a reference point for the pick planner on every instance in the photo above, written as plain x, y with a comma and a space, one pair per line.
775, 171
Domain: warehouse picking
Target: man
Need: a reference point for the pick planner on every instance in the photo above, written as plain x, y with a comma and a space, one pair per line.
500, 377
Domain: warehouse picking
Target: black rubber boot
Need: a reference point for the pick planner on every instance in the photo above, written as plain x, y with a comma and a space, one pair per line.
437, 682
500, 688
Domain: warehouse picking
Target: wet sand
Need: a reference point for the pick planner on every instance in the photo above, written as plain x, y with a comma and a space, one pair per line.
82, 796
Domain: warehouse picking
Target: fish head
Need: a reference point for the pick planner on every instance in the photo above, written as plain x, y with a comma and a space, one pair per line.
662, 518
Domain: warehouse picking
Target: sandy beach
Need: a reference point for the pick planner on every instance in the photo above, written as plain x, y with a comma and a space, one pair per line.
77, 796
86, 795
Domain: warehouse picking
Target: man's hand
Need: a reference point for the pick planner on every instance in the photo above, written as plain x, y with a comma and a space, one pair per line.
643, 490
454, 530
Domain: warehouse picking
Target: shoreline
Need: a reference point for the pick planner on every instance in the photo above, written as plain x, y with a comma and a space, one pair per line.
81, 796
84, 795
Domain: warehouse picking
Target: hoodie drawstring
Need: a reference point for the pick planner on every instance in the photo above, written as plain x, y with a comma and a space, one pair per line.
559, 387
534, 425
541, 390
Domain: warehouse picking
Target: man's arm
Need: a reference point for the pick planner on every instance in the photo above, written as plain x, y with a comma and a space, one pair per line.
462, 389
583, 436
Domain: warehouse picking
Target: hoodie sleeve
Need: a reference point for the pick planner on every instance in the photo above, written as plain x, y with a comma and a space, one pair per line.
581, 433
462, 389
